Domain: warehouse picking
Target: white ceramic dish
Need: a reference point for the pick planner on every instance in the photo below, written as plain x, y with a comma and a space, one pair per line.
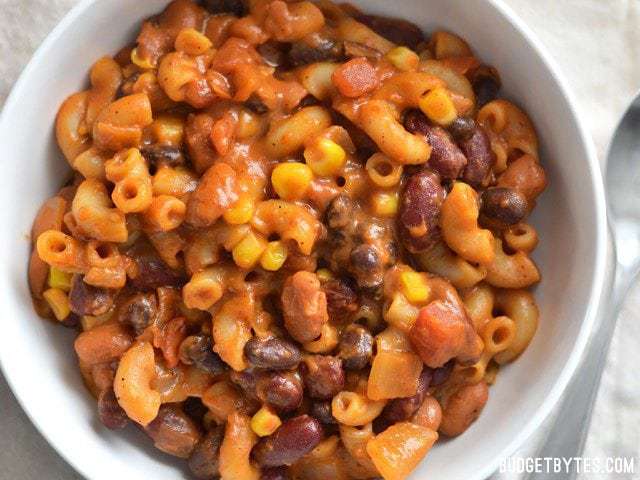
37, 357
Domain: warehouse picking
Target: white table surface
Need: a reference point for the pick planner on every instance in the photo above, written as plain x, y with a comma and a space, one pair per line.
597, 45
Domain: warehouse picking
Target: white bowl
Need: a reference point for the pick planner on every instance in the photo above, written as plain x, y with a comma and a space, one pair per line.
37, 357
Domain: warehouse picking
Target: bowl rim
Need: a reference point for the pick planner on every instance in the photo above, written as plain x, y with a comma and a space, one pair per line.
78, 463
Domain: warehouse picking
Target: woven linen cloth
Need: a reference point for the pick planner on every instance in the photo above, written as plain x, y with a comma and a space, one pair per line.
596, 43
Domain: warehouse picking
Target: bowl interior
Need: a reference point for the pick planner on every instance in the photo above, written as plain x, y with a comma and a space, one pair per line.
38, 359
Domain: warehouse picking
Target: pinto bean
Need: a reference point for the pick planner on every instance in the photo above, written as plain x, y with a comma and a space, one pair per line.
205, 458
158, 154
446, 159
502, 207
173, 432
526, 176
342, 300
322, 412
462, 408
272, 353
295, 438
103, 343
477, 149
85, 299
234, 7
196, 350
139, 311
110, 412
419, 211
429, 414
396, 30
401, 409
282, 390
304, 306
323, 376
356, 347
275, 473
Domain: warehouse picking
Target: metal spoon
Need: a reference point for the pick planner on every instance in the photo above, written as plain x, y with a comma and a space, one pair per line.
569, 432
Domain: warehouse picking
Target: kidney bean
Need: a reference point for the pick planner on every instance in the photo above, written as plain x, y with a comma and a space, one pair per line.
158, 154
246, 380
110, 412
342, 300
275, 473
139, 311
205, 458
323, 376
196, 349
442, 374
419, 211
154, 273
396, 30
356, 347
462, 128
173, 432
304, 306
272, 353
502, 207
295, 438
462, 408
234, 7
477, 149
322, 412
85, 299
401, 409
282, 390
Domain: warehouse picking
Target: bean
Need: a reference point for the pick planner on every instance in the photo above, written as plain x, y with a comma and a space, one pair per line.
158, 154
173, 432
153, 273
139, 311
502, 207
272, 353
446, 159
462, 128
477, 149
85, 299
463, 408
323, 376
401, 409
341, 213
314, 49
103, 343
246, 380
196, 350
396, 30
234, 7
282, 390
367, 266
486, 84
271, 53
322, 412
204, 461
304, 306
295, 438
419, 211
342, 300
275, 473
110, 412
356, 347
442, 374
194, 407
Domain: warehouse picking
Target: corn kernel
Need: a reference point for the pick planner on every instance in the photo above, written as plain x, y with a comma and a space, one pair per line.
58, 301
324, 275
415, 287
137, 60
438, 106
403, 58
241, 212
59, 279
325, 158
385, 204
168, 129
291, 180
247, 251
192, 42
265, 422
274, 256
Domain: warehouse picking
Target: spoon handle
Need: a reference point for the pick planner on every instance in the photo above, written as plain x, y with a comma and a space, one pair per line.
568, 434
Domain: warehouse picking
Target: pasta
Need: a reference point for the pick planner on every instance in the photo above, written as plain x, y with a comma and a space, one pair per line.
296, 243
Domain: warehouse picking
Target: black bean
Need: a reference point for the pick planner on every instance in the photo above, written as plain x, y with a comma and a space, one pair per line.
204, 461
462, 128
313, 50
401, 32
295, 438
342, 299
234, 7
271, 53
173, 431
275, 473
322, 412
401, 409
282, 390
272, 353
110, 412
502, 207
356, 347
442, 374
154, 273
196, 349
323, 376
85, 299
139, 311
158, 154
